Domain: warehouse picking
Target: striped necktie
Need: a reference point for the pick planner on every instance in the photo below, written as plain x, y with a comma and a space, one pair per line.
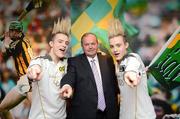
101, 100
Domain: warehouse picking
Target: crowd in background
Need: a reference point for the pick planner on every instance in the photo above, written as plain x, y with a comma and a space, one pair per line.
155, 25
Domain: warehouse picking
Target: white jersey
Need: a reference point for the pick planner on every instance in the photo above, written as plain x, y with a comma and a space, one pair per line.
136, 102
46, 101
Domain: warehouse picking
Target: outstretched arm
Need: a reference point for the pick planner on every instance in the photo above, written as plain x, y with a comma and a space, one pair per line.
66, 91
34, 72
132, 78
132, 73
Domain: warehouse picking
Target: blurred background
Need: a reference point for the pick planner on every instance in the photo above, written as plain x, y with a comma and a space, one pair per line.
154, 20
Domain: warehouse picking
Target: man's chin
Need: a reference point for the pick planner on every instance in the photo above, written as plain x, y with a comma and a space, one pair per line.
61, 55
118, 58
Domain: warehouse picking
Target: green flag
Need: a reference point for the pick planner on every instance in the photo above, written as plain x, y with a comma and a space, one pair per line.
165, 67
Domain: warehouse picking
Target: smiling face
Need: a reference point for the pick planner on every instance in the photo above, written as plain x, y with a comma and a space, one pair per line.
118, 47
90, 45
59, 45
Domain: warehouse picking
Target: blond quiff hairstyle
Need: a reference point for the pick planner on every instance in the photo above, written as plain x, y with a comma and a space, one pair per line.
62, 26
115, 28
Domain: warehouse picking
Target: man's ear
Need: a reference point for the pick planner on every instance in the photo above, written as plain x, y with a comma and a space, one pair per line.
127, 45
51, 43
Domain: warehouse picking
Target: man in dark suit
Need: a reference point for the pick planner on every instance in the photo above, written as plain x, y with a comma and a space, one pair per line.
93, 91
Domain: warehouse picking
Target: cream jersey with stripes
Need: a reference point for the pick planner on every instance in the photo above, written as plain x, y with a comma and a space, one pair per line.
46, 101
136, 102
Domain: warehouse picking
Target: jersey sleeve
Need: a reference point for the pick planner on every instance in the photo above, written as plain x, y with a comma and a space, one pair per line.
36, 61
133, 64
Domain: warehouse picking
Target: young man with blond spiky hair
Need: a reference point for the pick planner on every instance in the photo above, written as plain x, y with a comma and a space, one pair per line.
46, 73
132, 79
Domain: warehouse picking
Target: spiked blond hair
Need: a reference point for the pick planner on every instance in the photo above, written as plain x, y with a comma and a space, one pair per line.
115, 28
62, 26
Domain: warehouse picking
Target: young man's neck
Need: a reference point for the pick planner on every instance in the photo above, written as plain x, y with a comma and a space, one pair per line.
55, 59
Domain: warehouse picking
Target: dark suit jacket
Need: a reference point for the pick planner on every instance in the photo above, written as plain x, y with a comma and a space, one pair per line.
80, 77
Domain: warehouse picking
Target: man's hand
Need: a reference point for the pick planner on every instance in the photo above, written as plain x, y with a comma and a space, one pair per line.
7, 40
132, 78
34, 73
66, 91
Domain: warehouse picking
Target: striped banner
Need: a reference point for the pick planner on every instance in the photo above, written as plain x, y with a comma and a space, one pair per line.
95, 19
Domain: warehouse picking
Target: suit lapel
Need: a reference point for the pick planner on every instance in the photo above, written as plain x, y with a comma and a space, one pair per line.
88, 68
102, 66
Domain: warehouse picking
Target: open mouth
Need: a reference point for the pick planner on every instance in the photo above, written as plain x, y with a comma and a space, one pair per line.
63, 50
116, 54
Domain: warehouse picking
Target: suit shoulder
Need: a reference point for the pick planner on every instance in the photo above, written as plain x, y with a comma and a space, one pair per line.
77, 57
107, 56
